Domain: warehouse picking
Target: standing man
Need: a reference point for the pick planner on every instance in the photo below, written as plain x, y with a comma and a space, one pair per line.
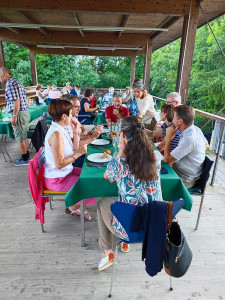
189, 155
16, 99
116, 111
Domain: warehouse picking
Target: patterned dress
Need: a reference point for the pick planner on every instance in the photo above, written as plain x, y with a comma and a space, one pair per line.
132, 190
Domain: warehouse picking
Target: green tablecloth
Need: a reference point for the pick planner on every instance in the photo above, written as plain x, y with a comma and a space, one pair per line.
35, 112
99, 119
92, 184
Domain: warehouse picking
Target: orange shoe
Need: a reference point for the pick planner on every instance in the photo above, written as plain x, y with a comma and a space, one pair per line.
106, 262
125, 247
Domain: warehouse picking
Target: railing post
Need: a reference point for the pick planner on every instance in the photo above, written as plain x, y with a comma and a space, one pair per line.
218, 154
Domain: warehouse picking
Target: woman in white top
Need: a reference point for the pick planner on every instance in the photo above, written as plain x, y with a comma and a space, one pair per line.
146, 111
59, 174
41, 97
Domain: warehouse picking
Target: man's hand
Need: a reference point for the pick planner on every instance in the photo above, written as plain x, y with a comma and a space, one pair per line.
97, 106
171, 132
116, 112
98, 130
14, 121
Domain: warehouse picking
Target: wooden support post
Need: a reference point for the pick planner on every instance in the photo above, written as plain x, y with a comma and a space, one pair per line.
33, 68
132, 72
186, 52
2, 60
148, 56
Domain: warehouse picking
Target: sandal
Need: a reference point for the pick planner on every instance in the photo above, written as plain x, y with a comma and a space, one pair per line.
70, 211
87, 216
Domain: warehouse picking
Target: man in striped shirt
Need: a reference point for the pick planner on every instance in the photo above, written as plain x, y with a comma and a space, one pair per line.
16, 99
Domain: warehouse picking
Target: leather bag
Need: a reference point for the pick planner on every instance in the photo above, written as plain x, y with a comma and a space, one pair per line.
178, 255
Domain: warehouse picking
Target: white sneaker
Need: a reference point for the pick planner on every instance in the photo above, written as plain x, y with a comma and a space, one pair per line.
106, 262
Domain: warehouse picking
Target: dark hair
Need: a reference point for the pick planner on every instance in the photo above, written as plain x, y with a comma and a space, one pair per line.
88, 93
186, 113
138, 151
58, 107
77, 86
168, 109
70, 97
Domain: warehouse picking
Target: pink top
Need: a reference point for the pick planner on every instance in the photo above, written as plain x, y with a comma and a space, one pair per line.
54, 95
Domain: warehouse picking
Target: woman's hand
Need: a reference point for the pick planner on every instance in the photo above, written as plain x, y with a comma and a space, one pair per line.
75, 124
82, 150
171, 132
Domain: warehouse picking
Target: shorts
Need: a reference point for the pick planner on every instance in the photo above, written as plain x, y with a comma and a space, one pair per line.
20, 130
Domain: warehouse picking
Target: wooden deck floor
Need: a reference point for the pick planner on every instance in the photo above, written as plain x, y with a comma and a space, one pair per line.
54, 266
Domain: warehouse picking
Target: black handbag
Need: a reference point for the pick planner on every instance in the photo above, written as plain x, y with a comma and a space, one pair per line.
178, 255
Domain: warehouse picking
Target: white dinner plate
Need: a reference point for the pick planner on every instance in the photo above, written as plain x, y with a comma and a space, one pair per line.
100, 142
97, 157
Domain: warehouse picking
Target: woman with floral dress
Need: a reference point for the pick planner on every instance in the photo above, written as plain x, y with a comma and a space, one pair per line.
136, 170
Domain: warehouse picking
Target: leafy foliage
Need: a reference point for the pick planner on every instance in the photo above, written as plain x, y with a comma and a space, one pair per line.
207, 82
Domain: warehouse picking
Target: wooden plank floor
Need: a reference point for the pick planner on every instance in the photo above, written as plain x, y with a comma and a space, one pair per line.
54, 266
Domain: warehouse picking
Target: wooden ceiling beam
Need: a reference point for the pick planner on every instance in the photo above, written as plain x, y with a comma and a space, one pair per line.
74, 38
85, 52
122, 24
26, 15
77, 21
15, 30
159, 7
169, 21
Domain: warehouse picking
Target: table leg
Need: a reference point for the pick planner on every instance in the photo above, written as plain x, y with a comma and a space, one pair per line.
82, 223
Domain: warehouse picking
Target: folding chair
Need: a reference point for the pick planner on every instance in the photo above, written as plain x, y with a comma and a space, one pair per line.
85, 119
200, 186
39, 194
124, 213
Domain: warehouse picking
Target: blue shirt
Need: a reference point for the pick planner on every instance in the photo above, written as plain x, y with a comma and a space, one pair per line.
130, 189
73, 92
175, 140
82, 110
134, 108
15, 90
107, 98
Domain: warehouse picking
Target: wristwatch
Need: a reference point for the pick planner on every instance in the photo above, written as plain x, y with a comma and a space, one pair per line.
14, 115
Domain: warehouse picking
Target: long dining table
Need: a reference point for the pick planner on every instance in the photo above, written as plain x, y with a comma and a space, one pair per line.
35, 112
92, 184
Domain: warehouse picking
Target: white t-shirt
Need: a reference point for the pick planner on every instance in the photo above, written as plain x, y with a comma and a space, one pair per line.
146, 108
40, 100
189, 154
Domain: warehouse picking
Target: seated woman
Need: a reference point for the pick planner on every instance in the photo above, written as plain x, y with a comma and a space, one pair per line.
54, 94
85, 108
136, 170
128, 100
41, 96
146, 111
166, 115
59, 174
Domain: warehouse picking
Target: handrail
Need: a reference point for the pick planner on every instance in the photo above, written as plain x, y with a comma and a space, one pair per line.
200, 112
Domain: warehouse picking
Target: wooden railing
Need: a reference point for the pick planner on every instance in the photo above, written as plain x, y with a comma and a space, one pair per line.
212, 117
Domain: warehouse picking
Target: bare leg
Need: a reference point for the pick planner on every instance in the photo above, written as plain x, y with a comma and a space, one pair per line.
23, 147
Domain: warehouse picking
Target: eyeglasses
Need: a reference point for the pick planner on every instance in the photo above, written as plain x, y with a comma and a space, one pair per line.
169, 102
76, 106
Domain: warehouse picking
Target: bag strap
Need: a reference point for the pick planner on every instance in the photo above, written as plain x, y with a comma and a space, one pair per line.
169, 215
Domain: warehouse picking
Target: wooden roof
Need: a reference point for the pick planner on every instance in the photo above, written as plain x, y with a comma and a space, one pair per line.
79, 27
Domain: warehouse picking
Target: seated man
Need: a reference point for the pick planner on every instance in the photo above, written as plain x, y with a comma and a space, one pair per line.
116, 111
108, 97
174, 99
189, 155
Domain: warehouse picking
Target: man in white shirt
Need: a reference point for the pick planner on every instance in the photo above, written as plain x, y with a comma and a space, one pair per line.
189, 155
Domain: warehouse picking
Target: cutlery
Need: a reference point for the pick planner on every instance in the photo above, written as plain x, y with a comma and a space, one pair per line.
97, 166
